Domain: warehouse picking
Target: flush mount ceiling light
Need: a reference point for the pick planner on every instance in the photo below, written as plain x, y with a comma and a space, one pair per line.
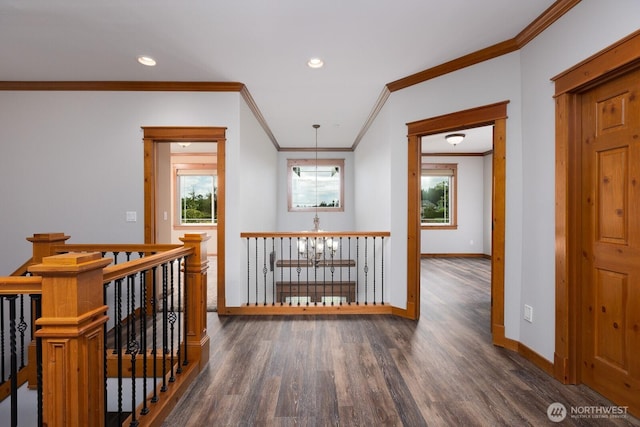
315, 63
147, 60
454, 138
184, 144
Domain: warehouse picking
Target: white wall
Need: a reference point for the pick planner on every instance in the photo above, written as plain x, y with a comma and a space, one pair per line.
486, 83
468, 238
303, 221
372, 212
523, 78
252, 179
589, 27
73, 161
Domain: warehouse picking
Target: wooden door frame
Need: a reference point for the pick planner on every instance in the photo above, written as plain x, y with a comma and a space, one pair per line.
613, 61
158, 135
493, 114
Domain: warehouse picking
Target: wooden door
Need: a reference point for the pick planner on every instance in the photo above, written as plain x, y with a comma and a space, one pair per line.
610, 271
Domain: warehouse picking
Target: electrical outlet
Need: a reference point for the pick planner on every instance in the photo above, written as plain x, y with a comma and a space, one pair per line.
528, 313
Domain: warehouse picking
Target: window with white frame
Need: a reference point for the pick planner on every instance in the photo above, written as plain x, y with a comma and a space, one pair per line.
315, 184
438, 195
196, 195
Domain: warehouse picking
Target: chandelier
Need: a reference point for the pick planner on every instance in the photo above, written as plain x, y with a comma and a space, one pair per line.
315, 248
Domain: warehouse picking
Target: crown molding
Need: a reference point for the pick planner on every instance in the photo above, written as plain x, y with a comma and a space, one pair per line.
135, 86
258, 115
542, 22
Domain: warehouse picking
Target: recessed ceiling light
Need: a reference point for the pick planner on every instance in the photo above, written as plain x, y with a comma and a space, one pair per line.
315, 63
147, 60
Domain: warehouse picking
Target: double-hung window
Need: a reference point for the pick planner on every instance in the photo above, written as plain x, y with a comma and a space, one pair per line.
196, 191
438, 195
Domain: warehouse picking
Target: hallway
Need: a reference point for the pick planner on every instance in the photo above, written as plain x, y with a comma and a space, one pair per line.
378, 370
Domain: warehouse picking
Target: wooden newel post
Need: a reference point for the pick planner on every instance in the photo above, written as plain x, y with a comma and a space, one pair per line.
196, 280
43, 244
73, 316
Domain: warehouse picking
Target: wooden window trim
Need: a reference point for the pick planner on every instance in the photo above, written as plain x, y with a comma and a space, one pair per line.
313, 162
454, 214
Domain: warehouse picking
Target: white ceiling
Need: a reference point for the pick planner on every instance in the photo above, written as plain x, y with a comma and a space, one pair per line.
264, 44
476, 140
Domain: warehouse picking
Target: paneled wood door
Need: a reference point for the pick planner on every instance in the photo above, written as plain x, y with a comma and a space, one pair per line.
610, 285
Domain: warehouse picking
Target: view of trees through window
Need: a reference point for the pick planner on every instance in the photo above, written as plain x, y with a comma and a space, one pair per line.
198, 199
436, 199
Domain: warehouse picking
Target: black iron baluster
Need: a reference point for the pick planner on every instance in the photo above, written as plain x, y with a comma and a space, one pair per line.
180, 272
341, 270
357, 273
273, 269
366, 269
349, 270
22, 327
256, 264
165, 323
143, 337
118, 345
248, 269
185, 311
128, 305
374, 270
13, 364
172, 318
154, 330
37, 303
315, 274
133, 347
382, 270
264, 271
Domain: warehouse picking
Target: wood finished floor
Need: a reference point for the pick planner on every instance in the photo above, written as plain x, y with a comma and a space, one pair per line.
378, 370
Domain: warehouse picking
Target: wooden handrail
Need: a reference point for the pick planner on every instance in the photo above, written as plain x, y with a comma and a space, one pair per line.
117, 247
119, 271
14, 285
22, 270
315, 234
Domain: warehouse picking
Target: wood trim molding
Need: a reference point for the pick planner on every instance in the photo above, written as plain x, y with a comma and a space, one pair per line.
619, 57
473, 58
155, 135
610, 62
541, 23
313, 150
473, 117
495, 114
544, 21
456, 255
124, 86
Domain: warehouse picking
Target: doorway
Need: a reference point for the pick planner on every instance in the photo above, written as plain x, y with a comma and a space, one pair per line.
495, 115
597, 156
156, 140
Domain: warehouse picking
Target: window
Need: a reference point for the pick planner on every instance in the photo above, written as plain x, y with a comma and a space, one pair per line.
312, 187
438, 195
196, 191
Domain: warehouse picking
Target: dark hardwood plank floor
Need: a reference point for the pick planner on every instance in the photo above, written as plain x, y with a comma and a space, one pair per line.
379, 370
